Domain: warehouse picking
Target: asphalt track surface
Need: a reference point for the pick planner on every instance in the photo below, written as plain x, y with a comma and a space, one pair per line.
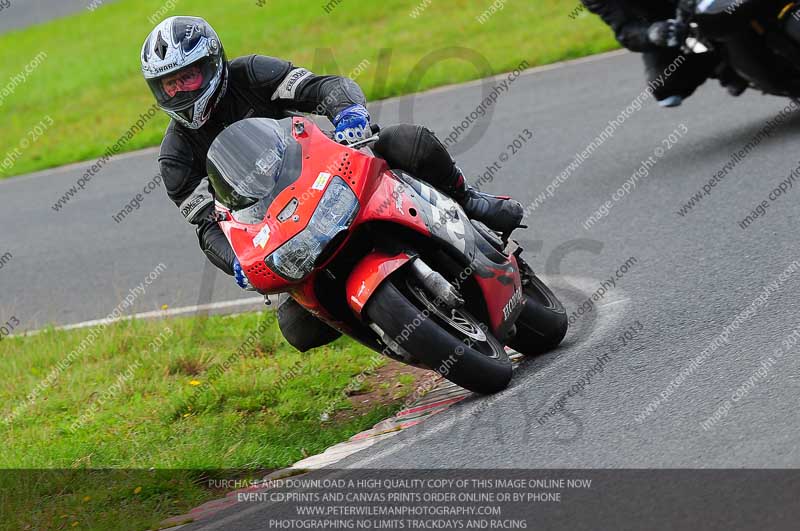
22, 13
692, 275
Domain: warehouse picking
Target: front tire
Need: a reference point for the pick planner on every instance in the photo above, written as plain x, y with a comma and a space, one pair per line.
461, 351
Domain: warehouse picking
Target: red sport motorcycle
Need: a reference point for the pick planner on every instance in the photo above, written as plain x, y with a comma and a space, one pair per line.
377, 254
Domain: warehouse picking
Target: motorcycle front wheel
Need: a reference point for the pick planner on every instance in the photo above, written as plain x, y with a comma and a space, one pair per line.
450, 341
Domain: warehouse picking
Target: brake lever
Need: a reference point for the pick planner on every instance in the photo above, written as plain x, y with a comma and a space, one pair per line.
361, 143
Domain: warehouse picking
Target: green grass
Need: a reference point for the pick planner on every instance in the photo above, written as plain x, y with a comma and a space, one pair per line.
91, 87
262, 413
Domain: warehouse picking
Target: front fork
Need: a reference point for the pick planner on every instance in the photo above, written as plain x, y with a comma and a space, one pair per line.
436, 284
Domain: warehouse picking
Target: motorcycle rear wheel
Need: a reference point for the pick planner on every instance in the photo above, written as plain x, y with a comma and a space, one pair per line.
459, 348
543, 322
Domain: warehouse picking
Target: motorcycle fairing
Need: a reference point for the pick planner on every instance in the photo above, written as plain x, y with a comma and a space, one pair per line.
254, 240
446, 221
496, 275
403, 199
723, 20
717, 7
726, 20
502, 289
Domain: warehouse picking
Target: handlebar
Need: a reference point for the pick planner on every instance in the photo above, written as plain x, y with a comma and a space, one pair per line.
374, 129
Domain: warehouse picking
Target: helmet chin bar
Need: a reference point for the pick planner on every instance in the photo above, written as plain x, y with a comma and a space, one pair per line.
187, 114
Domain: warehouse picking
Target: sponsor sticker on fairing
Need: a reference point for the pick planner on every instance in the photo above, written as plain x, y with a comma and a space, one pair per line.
512, 304
262, 237
322, 180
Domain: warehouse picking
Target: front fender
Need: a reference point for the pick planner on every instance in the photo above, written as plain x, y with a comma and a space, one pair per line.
369, 274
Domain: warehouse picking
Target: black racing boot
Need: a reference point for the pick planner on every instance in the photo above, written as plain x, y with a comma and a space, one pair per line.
500, 213
731, 80
736, 86
302, 329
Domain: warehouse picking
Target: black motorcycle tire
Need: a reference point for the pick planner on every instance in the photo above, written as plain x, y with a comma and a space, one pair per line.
479, 366
543, 322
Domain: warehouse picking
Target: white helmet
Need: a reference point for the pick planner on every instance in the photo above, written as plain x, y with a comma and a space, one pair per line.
184, 65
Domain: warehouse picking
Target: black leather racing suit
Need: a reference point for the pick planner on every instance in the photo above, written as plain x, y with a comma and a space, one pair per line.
631, 20
267, 87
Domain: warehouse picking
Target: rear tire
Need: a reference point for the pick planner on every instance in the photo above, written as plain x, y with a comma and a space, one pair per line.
543, 322
464, 353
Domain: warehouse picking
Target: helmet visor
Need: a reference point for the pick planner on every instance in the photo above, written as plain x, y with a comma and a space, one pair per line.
181, 89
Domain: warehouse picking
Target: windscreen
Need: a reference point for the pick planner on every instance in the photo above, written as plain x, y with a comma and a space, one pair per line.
249, 159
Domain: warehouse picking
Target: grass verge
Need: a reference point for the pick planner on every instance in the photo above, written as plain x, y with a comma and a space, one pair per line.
131, 430
87, 91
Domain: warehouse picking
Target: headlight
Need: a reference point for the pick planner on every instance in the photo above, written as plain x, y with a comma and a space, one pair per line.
295, 259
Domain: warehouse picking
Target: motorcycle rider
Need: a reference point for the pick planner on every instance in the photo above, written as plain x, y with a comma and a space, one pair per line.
184, 64
650, 28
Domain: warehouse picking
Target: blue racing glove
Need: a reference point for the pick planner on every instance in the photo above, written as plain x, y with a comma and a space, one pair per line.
241, 278
352, 124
